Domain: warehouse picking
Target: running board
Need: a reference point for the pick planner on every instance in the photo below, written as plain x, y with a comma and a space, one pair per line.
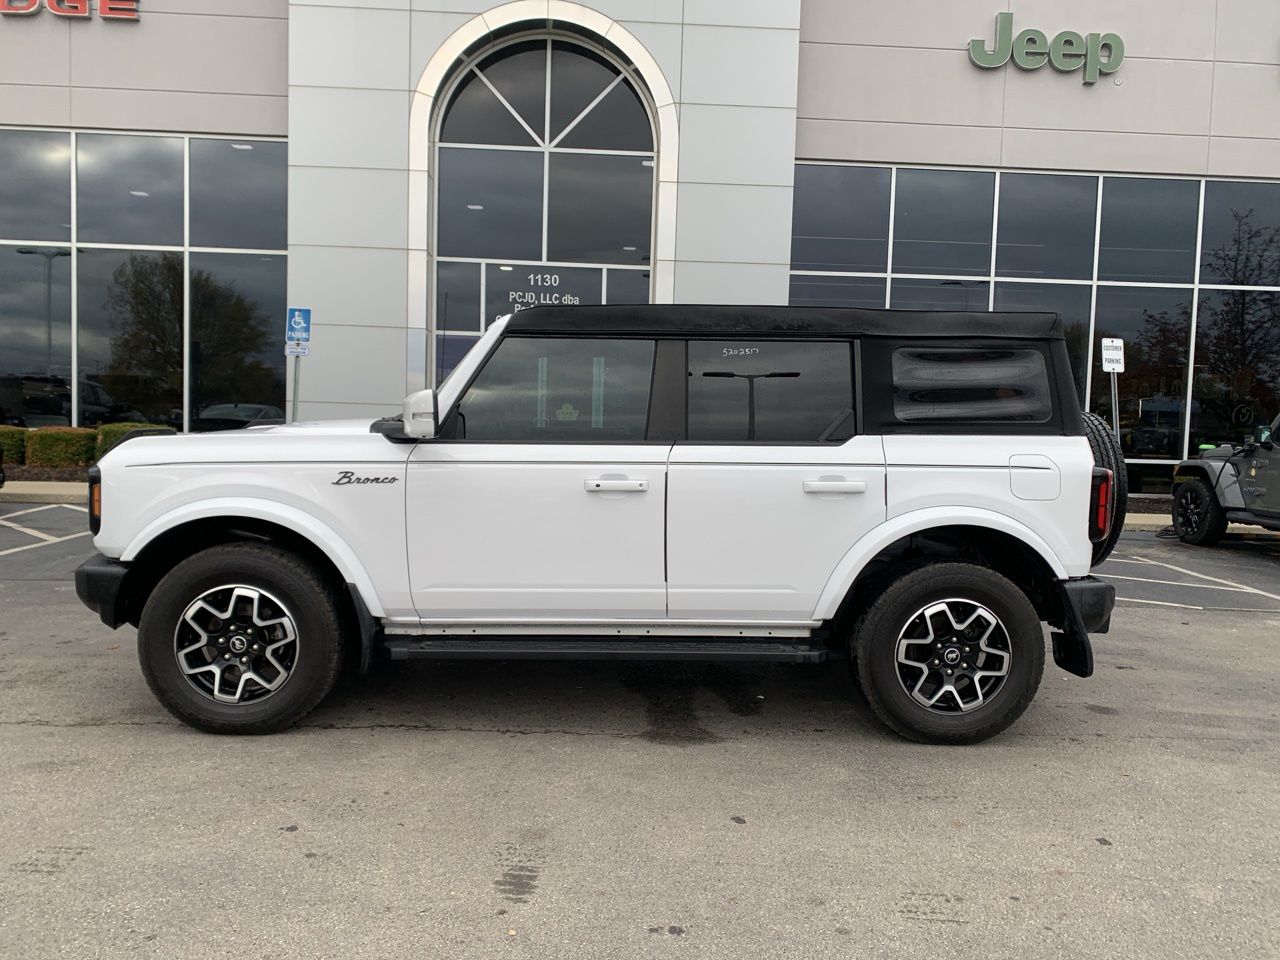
526, 648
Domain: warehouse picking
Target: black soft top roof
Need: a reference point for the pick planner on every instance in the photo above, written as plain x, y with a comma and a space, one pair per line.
733, 321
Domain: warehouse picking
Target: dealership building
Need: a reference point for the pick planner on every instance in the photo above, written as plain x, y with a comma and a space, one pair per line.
177, 174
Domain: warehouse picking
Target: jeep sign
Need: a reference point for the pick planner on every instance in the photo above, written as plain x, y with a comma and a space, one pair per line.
78, 9
1031, 50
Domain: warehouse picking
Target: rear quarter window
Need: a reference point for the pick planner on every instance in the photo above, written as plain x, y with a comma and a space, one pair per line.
970, 385
981, 387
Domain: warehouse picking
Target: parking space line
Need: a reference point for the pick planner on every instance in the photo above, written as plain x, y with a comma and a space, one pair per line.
1244, 588
19, 513
43, 543
72, 506
27, 530
1175, 583
1160, 603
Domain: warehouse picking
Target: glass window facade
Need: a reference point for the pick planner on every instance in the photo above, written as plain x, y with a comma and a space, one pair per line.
173, 317
545, 161
1114, 256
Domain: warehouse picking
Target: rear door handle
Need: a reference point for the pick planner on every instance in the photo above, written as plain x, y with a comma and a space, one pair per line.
604, 485
834, 486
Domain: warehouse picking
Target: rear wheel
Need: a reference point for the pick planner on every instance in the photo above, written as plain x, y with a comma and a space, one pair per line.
1107, 453
949, 653
1198, 518
241, 638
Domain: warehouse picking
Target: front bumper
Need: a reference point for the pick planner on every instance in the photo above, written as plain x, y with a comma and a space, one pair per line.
99, 583
1086, 604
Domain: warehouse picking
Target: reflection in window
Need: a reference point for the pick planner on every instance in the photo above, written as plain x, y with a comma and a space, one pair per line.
549, 389
942, 222
35, 336
239, 193
939, 294
130, 336
1046, 226
1236, 387
1241, 244
35, 193
840, 218
770, 391
628, 286
1155, 325
490, 204
129, 189
1148, 230
808, 290
458, 297
599, 208
1070, 302
237, 366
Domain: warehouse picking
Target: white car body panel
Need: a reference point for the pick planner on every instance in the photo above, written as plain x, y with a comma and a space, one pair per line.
282, 474
974, 472
745, 539
507, 532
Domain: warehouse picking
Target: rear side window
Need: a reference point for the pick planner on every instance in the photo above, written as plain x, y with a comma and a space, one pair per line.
561, 390
978, 385
770, 391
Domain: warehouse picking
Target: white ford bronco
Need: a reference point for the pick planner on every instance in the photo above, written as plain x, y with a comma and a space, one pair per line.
915, 492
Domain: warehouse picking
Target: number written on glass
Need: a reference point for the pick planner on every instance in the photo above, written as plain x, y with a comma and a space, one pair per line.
544, 279
739, 351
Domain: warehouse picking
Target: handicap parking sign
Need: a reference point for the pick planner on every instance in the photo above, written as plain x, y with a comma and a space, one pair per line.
297, 327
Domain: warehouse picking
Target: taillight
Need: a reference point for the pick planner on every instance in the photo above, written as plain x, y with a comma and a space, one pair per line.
95, 499
1100, 505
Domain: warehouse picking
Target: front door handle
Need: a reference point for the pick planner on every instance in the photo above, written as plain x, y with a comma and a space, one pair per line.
834, 486
607, 485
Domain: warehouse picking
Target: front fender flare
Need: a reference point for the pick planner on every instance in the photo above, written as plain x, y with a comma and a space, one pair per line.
301, 523
917, 521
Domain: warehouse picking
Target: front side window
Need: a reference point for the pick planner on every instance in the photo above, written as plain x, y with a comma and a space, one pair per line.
559, 390
970, 385
769, 391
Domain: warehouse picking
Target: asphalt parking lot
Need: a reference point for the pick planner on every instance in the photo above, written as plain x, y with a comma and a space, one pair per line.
600, 810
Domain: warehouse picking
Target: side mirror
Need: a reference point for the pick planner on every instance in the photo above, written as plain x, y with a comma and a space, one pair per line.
420, 415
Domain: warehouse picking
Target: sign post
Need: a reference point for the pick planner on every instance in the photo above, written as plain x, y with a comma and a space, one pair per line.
1113, 363
297, 344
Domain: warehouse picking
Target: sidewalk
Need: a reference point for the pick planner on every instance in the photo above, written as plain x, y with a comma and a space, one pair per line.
38, 491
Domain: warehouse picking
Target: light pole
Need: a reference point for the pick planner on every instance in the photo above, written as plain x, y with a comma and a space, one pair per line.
51, 254
751, 379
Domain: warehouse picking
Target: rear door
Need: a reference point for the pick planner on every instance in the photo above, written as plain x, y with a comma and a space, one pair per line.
772, 485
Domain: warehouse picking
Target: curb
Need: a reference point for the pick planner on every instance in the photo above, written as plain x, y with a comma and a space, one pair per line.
32, 491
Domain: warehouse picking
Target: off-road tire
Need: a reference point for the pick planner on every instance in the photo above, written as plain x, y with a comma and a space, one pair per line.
1107, 453
875, 639
1213, 519
313, 607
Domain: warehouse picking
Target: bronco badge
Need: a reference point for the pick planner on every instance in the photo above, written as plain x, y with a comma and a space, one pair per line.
348, 476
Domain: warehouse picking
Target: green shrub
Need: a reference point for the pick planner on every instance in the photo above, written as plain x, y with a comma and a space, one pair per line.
60, 447
13, 441
109, 434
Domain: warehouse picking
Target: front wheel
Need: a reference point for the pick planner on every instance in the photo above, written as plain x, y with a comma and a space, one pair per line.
1198, 518
950, 653
241, 638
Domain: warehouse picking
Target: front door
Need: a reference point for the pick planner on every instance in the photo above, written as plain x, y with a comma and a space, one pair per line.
543, 499
772, 486
1260, 474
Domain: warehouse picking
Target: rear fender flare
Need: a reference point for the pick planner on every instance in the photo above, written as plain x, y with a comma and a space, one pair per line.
303, 524
917, 521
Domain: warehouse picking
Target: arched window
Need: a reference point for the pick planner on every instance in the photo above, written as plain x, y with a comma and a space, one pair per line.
544, 187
